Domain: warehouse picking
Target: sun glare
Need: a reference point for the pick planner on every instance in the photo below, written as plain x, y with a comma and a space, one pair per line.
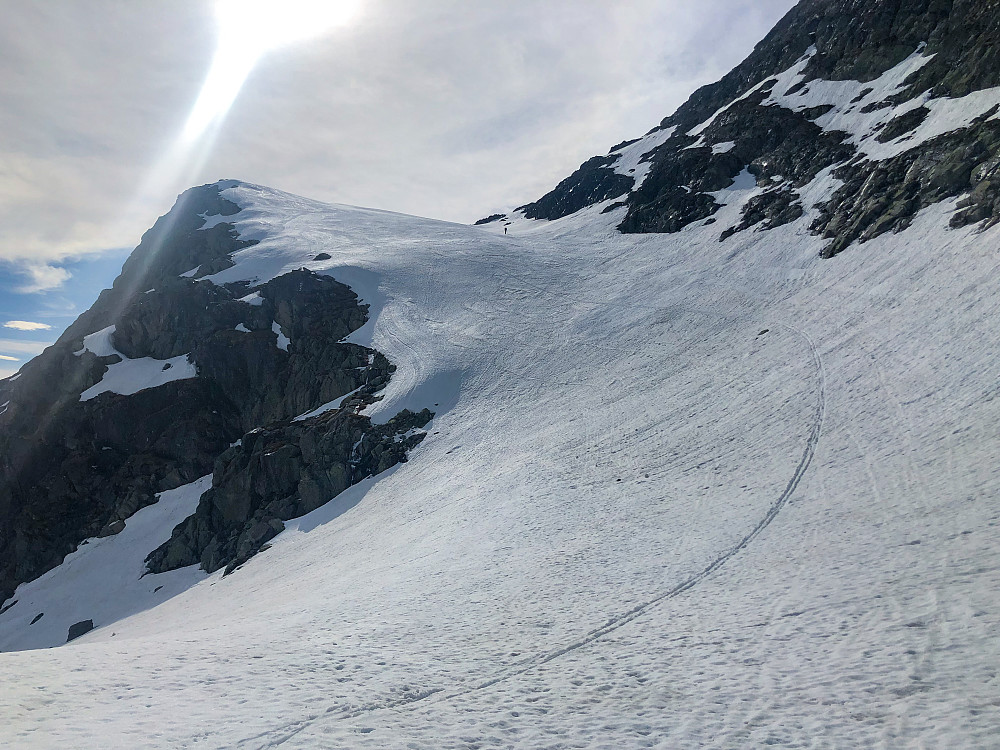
248, 29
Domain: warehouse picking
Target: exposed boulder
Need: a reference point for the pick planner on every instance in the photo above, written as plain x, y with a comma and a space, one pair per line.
79, 628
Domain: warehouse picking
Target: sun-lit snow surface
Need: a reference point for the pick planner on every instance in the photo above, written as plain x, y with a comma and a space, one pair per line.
132, 375
613, 423
679, 493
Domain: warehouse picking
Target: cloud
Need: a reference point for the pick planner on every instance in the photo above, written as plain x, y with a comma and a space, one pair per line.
26, 325
441, 108
43, 278
23, 347
9, 359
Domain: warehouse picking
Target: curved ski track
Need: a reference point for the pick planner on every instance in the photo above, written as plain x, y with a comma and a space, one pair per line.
283, 734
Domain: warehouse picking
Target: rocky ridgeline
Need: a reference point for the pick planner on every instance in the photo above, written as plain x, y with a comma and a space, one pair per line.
71, 469
854, 40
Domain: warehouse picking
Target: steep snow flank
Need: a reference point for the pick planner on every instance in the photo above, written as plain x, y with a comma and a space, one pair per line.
99, 343
132, 375
103, 580
629, 526
630, 162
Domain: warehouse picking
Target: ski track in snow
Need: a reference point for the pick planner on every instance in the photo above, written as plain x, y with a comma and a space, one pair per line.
576, 556
283, 734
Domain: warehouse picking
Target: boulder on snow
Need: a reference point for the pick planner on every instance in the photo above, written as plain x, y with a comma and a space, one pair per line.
79, 628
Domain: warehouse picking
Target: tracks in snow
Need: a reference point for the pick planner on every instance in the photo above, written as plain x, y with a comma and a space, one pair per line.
283, 734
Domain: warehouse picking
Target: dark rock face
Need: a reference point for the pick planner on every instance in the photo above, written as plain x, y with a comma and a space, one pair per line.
278, 474
884, 196
592, 183
770, 209
72, 469
489, 219
771, 142
79, 628
853, 39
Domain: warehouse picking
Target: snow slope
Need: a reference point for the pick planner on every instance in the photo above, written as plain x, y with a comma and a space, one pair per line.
639, 520
133, 375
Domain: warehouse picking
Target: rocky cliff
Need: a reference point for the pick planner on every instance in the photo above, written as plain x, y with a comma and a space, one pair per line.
169, 377
831, 83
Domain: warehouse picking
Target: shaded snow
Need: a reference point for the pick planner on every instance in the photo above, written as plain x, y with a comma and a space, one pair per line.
253, 298
283, 340
630, 161
133, 375
99, 343
328, 406
103, 580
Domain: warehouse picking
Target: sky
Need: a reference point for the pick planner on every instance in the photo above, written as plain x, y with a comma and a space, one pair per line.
452, 109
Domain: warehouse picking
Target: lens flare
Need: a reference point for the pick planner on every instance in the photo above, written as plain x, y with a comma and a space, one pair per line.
248, 29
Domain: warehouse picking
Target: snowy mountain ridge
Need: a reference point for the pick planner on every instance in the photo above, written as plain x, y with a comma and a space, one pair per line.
705, 486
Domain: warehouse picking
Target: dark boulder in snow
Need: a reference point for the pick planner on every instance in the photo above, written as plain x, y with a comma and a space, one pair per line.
79, 628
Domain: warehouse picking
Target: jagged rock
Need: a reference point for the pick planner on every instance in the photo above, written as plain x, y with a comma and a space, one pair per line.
853, 39
772, 208
70, 470
769, 141
79, 628
903, 124
884, 196
490, 219
278, 474
593, 182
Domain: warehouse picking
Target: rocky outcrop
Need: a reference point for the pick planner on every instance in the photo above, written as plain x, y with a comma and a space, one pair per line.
72, 469
846, 40
884, 196
280, 473
592, 183
490, 219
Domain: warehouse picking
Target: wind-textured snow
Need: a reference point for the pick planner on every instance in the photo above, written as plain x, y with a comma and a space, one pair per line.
678, 493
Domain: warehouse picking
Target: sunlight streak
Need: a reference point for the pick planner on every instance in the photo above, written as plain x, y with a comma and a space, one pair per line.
248, 29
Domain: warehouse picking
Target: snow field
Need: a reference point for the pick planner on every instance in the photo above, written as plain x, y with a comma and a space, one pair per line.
523, 582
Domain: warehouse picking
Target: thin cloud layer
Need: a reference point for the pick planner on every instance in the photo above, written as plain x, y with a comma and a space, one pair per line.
441, 108
26, 325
